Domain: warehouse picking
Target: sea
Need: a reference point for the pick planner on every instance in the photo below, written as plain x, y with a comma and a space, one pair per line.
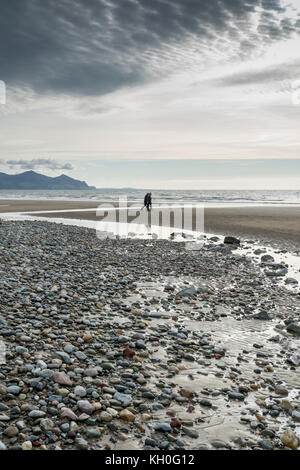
207, 197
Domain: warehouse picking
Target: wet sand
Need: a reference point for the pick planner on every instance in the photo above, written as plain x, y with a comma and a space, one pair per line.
265, 223
17, 205
279, 224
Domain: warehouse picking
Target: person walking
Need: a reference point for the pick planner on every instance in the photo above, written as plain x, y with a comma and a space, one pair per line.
148, 201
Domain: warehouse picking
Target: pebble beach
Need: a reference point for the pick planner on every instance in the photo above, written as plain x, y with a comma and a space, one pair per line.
143, 344
149, 231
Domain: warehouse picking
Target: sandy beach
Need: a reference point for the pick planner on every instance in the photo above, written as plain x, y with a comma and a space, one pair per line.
279, 225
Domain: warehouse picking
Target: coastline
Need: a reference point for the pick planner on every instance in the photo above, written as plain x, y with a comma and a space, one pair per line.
278, 226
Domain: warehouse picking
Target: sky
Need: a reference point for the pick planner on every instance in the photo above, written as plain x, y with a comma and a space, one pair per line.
163, 94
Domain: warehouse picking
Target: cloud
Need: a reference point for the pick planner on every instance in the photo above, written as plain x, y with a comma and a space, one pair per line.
286, 71
100, 46
49, 163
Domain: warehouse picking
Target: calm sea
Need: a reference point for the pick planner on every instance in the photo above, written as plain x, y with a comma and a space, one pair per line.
209, 197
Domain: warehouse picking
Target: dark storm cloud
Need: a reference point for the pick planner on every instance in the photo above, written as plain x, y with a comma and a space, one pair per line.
39, 162
97, 46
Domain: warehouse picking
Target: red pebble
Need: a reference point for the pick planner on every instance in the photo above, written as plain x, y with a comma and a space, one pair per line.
175, 423
128, 352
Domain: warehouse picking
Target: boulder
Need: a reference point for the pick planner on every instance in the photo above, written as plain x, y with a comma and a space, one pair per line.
294, 328
291, 280
262, 315
276, 270
231, 241
294, 359
267, 259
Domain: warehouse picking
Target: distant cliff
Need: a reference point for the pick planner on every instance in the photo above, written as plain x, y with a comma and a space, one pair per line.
33, 180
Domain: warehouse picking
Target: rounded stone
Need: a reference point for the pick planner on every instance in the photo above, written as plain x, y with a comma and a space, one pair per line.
289, 439
80, 391
85, 407
27, 445
46, 424
104, 416
11, 431
92, 433
13, 389
163, 427
126, 415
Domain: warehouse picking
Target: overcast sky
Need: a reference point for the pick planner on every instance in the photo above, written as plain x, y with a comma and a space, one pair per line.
152, 93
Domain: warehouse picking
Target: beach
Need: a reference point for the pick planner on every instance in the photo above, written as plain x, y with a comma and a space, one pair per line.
150, 229
142, 344
278, 225
111, 343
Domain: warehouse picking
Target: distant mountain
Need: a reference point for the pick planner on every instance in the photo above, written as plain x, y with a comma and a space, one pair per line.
33, 180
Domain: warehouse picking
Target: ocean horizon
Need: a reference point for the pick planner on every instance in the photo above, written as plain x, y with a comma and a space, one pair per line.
208, 197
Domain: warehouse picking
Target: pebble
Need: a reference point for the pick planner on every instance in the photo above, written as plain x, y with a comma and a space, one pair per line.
137, 348
236, 396
36, 414
280, 390
68, 413
85, 407
11, 431
190, 432
218, 444
205, 402
80, 391
162, 427
93, 433
27, 445
13, 389
265, 444
296, 416
62, 378
289, 439
123, 398
46, 424
294, 328
126, 415
81, 443
105, 416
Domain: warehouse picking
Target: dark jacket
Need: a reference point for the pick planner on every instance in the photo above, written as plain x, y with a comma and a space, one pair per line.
146, 199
